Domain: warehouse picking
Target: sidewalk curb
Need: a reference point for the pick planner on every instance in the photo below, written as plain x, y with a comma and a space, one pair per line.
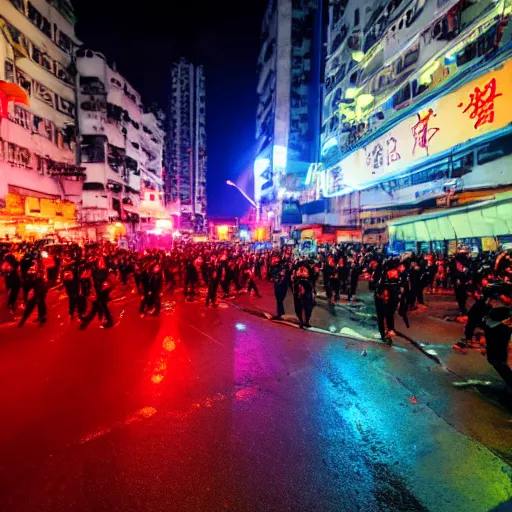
268, 316
351, 310
419, 346
413, 342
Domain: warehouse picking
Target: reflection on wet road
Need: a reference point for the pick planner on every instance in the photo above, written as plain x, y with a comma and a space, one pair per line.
218, 410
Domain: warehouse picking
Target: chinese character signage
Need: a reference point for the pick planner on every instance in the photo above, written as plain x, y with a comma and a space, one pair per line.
481, 103
475, 109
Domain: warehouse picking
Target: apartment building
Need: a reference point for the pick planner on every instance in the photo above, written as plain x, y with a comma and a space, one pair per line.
415, 115
288, 117
110, 114
40, 182
186, 165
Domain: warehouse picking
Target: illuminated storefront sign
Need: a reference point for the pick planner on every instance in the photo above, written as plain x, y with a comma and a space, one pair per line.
49, 208
475, 109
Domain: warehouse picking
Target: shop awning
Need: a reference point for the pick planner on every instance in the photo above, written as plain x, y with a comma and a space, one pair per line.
489, 218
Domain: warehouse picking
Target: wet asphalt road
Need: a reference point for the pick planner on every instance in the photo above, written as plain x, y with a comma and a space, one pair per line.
215, 410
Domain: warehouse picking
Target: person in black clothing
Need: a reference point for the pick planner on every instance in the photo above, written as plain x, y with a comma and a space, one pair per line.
476, 314
303, 296
155, 289
354, 272
71, 281
191, 278
213, 283
280, 279
36, 294
224, 275
12, 281
249, 277
387, 297
385, 312
137, 274
498, 328
124, 270
415, 286
343, 274
461, 280
84, 288
101, 284
145, 301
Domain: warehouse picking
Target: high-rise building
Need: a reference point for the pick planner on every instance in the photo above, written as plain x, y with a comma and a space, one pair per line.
186, 156
121, 144
288, 117
110, 118
416, 120
40, 183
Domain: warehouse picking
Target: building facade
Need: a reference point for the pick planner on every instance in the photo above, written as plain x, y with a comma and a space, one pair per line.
415, 115
40, 182
288, 117
186, 158
152, 145
110, 115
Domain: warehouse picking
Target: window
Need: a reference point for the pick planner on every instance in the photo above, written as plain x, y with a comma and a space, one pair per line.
354, 78
39, 20
91, 85
467, 54
486, 42
495, 149
65, 42
96, 105
462, 164
402, 95
131, 165
22, 117
9, 71
97, 187
411, 57
356, 17
47, 63
116, 158
93, 149
19, 4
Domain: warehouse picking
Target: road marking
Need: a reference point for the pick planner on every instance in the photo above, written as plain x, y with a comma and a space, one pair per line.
204, 334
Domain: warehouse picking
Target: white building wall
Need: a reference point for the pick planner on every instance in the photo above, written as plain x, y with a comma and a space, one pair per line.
123, 133
19, 128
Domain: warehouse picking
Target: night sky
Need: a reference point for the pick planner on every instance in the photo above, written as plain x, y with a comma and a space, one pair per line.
224, 37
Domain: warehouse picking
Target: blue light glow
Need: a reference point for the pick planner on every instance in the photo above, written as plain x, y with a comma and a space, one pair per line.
261, 165
240, 327
280, 156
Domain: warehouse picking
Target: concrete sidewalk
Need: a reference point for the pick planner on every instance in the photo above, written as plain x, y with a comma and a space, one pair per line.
428, 331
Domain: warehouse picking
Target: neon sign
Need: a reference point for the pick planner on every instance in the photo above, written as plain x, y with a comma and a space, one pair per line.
417, 137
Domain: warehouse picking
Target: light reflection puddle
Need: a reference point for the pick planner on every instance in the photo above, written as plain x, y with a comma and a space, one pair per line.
241, 395
142, 414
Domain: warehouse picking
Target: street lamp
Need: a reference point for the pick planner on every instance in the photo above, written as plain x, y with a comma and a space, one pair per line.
231, 184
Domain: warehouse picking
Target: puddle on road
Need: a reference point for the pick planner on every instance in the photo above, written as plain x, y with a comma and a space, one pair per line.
142, 414
241, 395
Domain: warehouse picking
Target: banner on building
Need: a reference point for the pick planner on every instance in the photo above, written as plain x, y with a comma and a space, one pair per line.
478, 108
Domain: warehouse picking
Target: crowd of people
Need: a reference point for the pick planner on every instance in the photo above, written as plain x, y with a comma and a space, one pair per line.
89, 272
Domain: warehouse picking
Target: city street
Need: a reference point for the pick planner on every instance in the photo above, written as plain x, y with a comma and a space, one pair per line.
217, 409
